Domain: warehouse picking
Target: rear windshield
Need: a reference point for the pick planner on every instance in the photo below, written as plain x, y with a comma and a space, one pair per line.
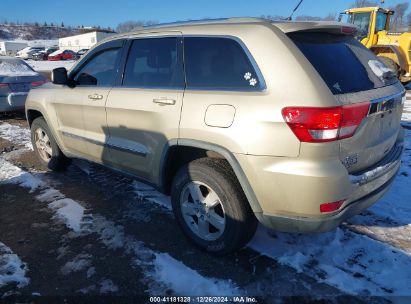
344, 63
15, 67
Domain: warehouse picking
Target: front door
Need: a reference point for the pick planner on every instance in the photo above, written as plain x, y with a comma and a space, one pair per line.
143, 111
93, 81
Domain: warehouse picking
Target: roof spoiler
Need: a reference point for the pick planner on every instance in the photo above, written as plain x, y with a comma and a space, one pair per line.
317, 26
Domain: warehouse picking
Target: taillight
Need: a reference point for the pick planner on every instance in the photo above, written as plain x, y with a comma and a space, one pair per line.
330, 207
325, 124
3, 85
37, 83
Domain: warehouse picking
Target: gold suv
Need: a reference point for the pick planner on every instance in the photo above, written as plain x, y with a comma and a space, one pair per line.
295, 125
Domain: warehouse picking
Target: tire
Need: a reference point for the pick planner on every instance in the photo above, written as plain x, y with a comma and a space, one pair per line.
46, 149
390, 64
216, 185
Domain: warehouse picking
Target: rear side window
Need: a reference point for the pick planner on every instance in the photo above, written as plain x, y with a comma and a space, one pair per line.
154, 63
218, 64
343, 62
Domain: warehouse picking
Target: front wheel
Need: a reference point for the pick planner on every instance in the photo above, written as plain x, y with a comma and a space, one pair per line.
211, 207
46, 148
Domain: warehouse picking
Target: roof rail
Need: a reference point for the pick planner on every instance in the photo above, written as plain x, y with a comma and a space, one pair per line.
209, 21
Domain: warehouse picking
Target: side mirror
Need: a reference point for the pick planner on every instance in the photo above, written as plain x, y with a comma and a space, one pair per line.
59, 76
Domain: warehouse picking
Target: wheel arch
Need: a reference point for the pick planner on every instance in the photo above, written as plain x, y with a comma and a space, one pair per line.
186, 150
32, 113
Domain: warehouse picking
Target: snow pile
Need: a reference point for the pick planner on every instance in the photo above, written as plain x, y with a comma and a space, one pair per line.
15, 68
16, 134
12, 269
186, 281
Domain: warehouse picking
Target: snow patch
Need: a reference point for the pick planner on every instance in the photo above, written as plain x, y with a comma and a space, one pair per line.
148, 193
16, 134
79, 263
107, 286
352, 262
186, 281
12, 174
45, 66
12, 269
68, 211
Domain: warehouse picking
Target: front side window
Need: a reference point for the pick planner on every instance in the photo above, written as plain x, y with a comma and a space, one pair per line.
154, 63
381, 21
100, 70
362, 21
218, 63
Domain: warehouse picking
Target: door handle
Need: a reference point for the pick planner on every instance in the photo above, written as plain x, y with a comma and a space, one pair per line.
95, 97
164, 101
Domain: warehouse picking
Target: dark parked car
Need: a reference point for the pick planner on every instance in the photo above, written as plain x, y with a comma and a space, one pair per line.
16, 80
43, 55
63, 55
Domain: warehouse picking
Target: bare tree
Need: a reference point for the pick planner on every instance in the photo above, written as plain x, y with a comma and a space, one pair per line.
273, 18
398, 19
331, 17
128, 26
308, 18
409, 19
364, 3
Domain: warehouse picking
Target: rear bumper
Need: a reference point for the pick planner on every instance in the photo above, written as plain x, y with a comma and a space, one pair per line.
316, 225
365, 189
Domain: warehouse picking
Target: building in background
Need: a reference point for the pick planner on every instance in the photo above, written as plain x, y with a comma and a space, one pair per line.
43, 43
10, 48
83, 41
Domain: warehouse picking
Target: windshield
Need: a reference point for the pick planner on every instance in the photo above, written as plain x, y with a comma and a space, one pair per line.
362, 21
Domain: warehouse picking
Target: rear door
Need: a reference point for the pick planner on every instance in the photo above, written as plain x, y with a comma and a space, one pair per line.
143, 111
355, 75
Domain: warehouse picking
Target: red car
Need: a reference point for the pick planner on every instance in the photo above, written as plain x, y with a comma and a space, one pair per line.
62, 55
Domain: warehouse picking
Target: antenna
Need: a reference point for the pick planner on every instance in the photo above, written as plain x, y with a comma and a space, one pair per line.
294, 10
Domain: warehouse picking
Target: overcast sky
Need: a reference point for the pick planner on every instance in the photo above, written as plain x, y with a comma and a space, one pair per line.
110, 13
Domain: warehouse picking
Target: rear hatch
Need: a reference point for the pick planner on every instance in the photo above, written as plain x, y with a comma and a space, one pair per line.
355, 75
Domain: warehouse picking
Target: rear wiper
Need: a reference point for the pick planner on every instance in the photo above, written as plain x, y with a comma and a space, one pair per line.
388, 74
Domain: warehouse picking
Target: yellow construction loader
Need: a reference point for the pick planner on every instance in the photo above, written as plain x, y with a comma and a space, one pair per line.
393, 48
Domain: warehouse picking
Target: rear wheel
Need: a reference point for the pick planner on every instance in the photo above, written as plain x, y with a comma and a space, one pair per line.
389, 63
211, 207
46, 148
